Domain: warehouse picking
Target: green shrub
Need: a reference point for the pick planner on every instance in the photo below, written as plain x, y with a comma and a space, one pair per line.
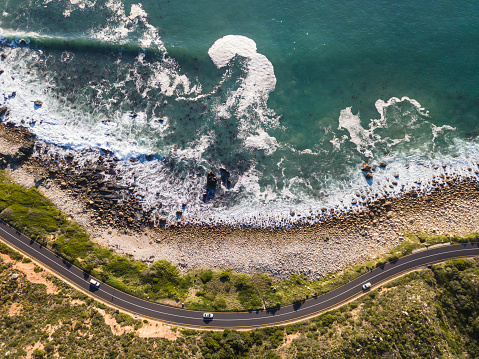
78, 325
459, 263
206, 275
15, 256
38, 354
225, 276
219, 304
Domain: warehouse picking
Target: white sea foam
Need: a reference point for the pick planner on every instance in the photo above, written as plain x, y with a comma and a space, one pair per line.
121, 28
367, 139
260, 80
262, 141
74, 5
362, 138
166, 77
50, 122
248, 102
194, 150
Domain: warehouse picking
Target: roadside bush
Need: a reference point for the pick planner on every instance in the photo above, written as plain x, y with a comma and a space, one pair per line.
4, 249
246, 293
219, 304
459, 263
206, 275
122, 267
225, 276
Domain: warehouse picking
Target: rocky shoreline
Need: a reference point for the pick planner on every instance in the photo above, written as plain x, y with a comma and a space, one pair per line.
89, 192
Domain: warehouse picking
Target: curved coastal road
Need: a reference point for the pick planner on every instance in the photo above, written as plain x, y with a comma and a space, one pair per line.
238, 320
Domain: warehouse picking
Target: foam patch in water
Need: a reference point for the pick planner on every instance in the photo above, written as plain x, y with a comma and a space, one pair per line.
248, 102
399, 122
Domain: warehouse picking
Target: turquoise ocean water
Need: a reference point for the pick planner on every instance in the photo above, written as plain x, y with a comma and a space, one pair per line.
291, 97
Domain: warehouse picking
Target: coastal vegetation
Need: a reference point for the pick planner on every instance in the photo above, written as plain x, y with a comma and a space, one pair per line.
428, 313
204, 289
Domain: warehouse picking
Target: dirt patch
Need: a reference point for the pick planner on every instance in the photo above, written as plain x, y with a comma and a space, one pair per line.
15, 309
77, 302
156, 330
50, 329
290, 338
34, 277
148, 330
31, 348
116, 329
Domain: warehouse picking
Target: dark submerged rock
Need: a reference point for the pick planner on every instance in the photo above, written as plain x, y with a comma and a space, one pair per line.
225, 177
211, 182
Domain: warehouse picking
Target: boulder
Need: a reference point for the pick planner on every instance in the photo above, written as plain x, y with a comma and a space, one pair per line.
387, 205
162, 222
366, 168
225, 177
23, 152
382, 164
224, 172
211, 180
368, 175
4, 56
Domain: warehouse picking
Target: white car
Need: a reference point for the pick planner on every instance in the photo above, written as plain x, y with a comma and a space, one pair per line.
208, 316
366, 286
94, 283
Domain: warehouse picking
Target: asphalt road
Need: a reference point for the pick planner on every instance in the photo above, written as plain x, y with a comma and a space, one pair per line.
239, 320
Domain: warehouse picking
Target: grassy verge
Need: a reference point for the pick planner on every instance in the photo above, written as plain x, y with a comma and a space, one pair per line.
426, 314
34, 215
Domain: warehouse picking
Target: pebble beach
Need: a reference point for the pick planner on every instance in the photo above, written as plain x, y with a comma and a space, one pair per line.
449, 208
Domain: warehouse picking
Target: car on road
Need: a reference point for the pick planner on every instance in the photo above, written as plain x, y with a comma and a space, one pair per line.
94, 283
366, 286
207, 316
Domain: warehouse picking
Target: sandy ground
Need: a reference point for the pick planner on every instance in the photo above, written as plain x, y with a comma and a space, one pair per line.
314, 251
148, 330
31, 275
